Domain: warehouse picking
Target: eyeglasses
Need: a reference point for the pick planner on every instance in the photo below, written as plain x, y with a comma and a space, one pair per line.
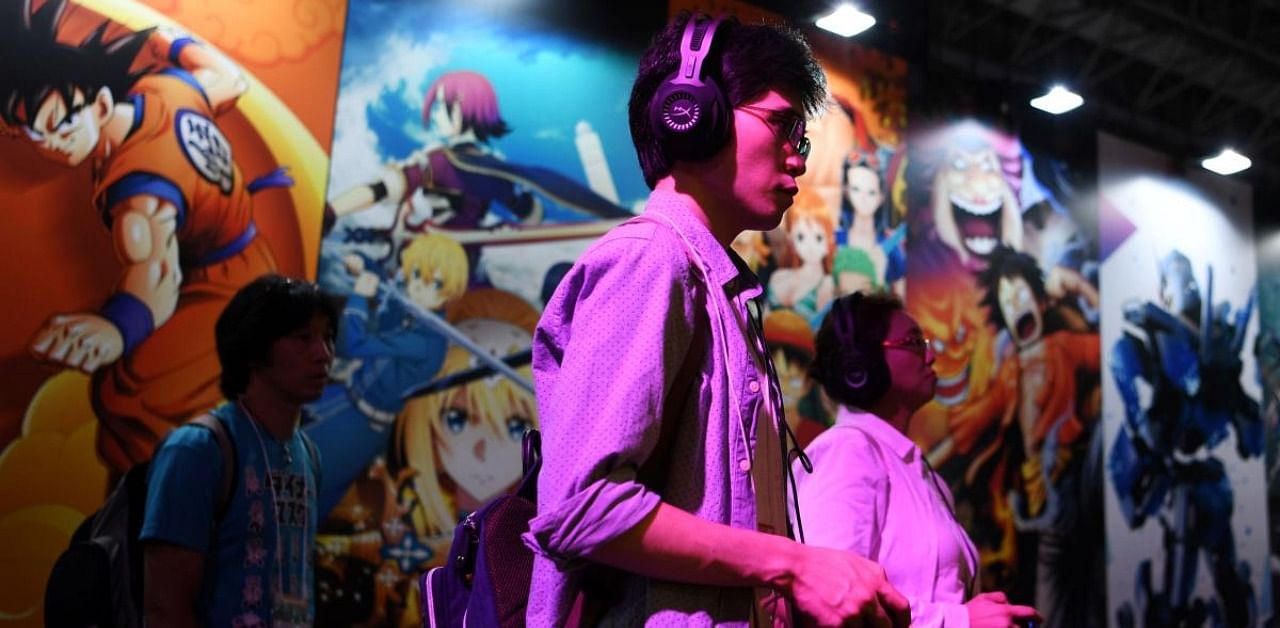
916, 343
794, 125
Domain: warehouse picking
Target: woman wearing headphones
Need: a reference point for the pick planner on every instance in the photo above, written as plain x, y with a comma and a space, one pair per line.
871, 491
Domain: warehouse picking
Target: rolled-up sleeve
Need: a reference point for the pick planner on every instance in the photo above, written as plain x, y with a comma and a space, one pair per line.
605, 355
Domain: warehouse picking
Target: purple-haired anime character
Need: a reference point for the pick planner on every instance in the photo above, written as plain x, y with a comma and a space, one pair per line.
463, 176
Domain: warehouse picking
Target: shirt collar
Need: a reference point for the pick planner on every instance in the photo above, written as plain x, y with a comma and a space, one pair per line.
724, 264
880, 430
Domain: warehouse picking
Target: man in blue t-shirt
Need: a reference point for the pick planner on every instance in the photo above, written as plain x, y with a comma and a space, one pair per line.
243, 567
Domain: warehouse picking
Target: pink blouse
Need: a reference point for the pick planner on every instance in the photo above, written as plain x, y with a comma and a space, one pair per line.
871, 493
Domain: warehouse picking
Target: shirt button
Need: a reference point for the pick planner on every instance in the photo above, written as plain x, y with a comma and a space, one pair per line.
744, 464
753, 386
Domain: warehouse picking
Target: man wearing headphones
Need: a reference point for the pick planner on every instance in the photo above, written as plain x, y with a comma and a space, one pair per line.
661, 498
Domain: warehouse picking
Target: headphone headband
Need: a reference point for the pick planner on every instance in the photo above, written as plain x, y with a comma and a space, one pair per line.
694, 48
857, 372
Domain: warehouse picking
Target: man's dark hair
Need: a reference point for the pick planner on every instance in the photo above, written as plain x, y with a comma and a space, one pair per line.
867, 318
262, 312
1006, 262
37, 64
746, 60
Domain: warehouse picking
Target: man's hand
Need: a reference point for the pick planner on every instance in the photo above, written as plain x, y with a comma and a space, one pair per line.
80, 341
993, 610
837, 588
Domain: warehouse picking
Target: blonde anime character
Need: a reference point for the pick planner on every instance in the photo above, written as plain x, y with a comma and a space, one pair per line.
803, 281
452, 449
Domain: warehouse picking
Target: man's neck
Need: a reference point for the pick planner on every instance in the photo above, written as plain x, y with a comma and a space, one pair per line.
278, 416
702, 206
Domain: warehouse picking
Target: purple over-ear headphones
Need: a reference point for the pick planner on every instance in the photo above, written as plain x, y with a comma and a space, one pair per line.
689, 113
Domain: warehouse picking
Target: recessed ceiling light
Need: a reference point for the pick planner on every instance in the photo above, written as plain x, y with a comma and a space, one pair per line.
1057, 100
846, 20
1227, 162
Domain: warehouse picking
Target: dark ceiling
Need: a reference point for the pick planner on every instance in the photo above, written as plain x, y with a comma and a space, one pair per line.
1184, 76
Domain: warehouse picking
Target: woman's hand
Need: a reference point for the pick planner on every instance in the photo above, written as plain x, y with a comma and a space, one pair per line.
993, 610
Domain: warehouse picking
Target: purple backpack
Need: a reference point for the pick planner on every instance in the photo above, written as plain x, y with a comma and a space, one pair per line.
485, 578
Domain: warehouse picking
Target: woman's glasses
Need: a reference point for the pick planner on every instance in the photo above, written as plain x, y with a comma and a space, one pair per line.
917, 343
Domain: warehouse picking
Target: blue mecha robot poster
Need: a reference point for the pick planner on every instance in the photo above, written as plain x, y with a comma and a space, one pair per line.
1185, 497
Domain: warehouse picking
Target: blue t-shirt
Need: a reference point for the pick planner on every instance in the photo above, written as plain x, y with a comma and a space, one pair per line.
243, 583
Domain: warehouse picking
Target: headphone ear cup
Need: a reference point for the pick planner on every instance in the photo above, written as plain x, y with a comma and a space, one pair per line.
690, 121
689, 115
855, 377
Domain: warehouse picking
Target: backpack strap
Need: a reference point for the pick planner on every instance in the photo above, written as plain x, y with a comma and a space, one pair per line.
313, 457
228, 449
532, 451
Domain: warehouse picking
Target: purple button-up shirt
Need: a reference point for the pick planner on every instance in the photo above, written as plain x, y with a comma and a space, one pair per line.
606, 355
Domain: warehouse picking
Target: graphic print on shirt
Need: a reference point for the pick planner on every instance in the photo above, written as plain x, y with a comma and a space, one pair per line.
292, 493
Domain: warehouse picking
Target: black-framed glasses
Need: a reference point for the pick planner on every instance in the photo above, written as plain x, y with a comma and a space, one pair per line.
792, 124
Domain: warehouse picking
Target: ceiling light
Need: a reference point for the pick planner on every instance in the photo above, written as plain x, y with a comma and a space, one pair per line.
1227, 162
846, 21
1058, 100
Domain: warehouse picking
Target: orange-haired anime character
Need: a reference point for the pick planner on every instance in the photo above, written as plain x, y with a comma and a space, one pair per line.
946, 305
167, 187
803, 280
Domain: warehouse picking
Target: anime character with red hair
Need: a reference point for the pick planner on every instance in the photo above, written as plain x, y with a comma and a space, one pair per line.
463, 176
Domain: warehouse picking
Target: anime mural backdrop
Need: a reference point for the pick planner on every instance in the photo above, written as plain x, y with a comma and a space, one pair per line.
1186, 507
1003, 279
476, 155
846, 230
169, 134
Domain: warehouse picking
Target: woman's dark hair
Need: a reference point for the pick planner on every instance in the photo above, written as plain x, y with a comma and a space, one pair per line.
262, 312
850, 361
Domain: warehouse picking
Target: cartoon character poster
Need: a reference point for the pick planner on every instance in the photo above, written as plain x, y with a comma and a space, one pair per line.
163, 153
1003, 279
1267, 352
1185, 477
476, 155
